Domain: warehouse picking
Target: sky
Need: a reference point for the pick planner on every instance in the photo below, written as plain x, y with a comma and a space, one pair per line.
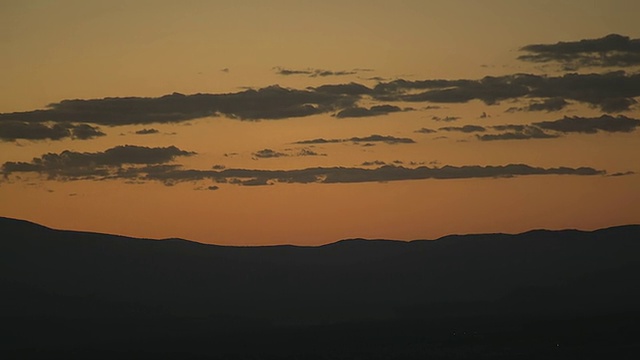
305, 122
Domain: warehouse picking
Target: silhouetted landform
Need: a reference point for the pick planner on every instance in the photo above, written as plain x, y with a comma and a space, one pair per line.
539, 294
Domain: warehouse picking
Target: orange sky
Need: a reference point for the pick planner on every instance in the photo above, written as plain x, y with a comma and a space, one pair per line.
82, 50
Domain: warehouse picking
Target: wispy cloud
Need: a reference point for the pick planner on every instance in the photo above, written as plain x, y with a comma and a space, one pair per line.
146, 131
387, 139
310, 72
464, 129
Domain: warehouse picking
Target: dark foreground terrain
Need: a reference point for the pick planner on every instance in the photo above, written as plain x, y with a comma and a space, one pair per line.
541, 294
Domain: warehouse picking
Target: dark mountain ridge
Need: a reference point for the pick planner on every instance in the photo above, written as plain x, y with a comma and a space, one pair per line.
121, 292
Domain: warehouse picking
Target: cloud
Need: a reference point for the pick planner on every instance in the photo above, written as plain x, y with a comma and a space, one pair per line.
376, 110
611, 92
213, 187
392, 140
137, 164
625, 173
388, 139
308, 152
446, 118
268, 153
611, 50
319, 141
384, 173
517, 132
14, 130
74, 165
85, 132
353, 89
373, 163
146, 131
465, 129
586, 125
316, 72
425, 131
273, 102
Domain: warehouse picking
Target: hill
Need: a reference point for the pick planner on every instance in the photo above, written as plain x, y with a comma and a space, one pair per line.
541, 293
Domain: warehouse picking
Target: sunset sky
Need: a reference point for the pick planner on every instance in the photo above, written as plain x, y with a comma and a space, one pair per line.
306, 122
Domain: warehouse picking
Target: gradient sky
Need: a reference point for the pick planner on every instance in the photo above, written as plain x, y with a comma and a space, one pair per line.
213, 121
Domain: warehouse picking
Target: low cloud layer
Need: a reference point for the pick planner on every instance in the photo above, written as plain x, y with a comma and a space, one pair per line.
149, 164
611, 50
16, 130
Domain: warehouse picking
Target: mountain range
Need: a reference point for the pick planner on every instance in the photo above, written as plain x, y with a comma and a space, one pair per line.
551, 294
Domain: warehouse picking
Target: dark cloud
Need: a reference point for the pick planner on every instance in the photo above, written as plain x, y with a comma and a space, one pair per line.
213, 187
85, 132
14, 130
147, 131
351, 88
392, 140
611, 92
611, 50
272, 102
218, 167
319, 141
373, 163
446, 118
517, 132
268, 153
357, 175
604, 123
136, 164
465, 129
388, 139
425, 131
317, 72
376, 110
75, 165
626, 173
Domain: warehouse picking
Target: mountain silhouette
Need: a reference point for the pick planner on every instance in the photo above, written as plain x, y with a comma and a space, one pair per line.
552, 294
